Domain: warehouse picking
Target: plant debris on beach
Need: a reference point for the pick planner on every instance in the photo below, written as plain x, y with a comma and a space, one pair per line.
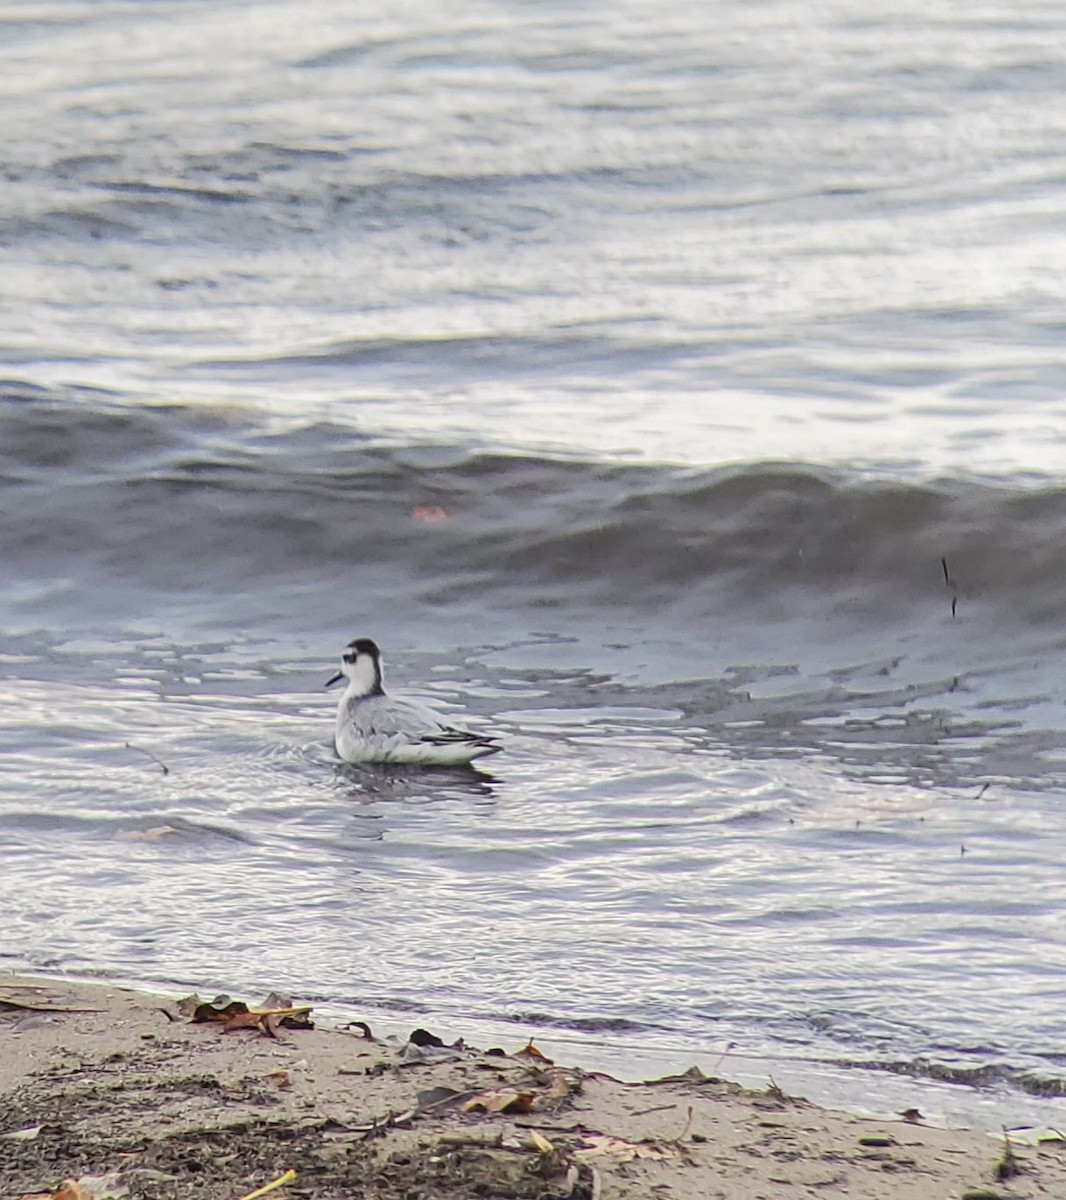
108, 1095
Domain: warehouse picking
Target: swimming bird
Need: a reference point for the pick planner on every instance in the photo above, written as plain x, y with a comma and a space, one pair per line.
375, 728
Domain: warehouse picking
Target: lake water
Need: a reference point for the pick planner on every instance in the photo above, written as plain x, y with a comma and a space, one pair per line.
680, 395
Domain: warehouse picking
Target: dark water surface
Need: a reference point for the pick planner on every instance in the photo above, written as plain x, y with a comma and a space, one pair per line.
679, 395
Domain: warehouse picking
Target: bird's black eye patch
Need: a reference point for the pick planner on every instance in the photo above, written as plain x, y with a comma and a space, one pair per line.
350, 658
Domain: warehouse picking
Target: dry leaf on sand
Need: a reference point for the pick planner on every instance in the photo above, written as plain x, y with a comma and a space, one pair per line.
599, 1145
1030, 1135
531, 1051
71, 1189
40, 999
500, 1100
23, 1135
220, 1009
91, 1187
235, 1014
563, 1084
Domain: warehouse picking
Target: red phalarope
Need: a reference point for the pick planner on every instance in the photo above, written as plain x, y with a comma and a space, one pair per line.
375, 728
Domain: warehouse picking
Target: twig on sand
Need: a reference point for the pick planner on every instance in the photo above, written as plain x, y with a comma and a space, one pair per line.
643, 1112
281, 1181
489, 1138
676, 1141
1007, 1164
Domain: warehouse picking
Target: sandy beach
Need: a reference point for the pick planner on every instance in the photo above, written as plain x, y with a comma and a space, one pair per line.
122, 1091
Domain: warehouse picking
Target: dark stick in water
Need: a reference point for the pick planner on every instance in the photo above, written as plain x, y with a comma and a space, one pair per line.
949, 582
149, 754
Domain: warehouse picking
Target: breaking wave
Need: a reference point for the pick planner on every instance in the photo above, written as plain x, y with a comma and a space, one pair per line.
187, 499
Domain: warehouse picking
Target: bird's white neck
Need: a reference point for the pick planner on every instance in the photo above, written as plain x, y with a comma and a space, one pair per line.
364, 676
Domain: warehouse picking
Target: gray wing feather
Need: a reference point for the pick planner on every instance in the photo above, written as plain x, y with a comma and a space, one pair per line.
451, 737
390, 716
386, 716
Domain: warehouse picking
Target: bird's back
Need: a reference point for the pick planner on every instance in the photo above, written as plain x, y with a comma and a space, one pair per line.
380, 728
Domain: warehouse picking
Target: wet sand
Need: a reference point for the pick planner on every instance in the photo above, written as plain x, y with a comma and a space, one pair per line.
100, 1081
